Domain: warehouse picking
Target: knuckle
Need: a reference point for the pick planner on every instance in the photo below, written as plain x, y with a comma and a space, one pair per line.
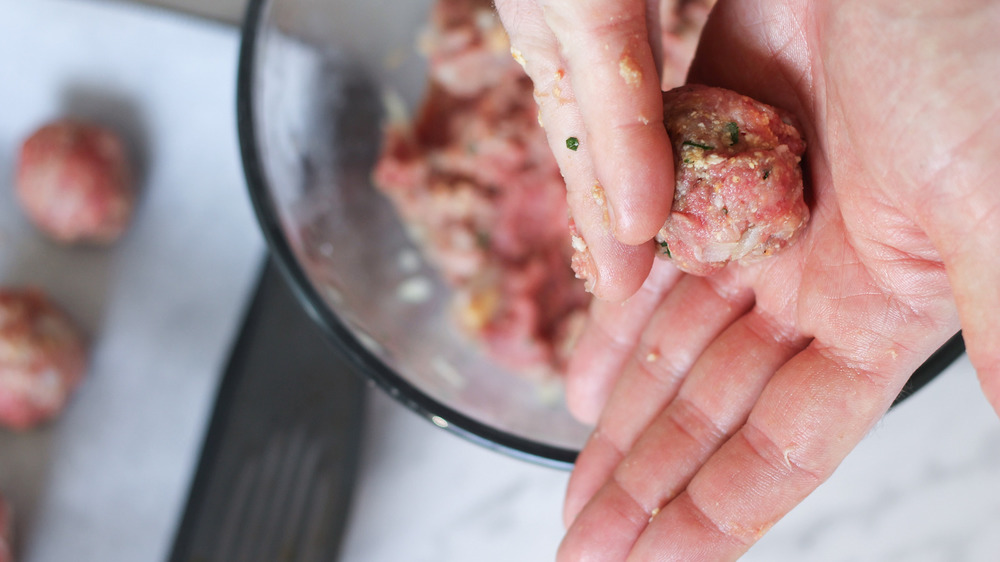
727, 533
784, 459
695, 423
664, 371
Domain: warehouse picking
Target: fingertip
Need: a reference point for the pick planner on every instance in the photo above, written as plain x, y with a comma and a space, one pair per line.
637, 172
593, 369
621, 269
643, 205
583, 401
595, 462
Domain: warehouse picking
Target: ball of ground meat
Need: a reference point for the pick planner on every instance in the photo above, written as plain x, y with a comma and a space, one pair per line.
74, 182
42, 358
6, 532
738, 193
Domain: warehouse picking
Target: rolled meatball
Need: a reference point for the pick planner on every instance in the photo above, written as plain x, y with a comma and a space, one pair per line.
74, 182
6, 532
738, 195
42, 358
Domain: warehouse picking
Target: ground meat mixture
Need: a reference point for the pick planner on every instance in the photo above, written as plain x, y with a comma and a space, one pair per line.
475, 181
42, 358
6, 532
466, 47
74, 182
738, 195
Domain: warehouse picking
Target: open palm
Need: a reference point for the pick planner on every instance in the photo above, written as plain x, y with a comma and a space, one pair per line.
721, 402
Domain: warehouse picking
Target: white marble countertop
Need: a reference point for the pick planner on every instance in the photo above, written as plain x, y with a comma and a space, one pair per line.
924, 486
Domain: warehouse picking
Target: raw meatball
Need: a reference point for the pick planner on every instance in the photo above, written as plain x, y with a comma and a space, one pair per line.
74, 182
42, 358
738, 195
6, 532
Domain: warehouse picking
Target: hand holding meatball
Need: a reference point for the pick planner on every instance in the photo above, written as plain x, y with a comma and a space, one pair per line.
598, 69
722, 401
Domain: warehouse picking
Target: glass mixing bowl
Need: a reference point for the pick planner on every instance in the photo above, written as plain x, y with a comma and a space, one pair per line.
317, 79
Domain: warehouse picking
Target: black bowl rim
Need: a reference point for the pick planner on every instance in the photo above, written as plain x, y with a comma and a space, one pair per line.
365, 362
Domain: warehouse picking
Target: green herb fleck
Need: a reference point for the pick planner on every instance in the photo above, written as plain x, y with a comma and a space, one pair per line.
725, 210
664, 248
767, 173
699, 145
688, 160
572, 143
734, 132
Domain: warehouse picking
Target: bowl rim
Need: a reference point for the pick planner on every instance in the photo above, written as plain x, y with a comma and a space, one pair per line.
365, 363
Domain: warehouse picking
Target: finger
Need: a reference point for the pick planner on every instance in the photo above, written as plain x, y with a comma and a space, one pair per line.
612, 270
964, 243
607, 342
816, 408
977, 293
691, 316
711, 404
606, 47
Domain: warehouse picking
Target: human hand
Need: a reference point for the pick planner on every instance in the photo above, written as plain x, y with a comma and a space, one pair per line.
597, 68
723, 401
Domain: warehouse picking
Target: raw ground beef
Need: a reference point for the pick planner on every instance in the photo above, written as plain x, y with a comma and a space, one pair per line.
74, 182
738, 195
42, 358
474, 180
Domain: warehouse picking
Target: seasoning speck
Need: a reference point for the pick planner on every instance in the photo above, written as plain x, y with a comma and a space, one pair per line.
734, 132
573, 143
698, 145
664, 248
